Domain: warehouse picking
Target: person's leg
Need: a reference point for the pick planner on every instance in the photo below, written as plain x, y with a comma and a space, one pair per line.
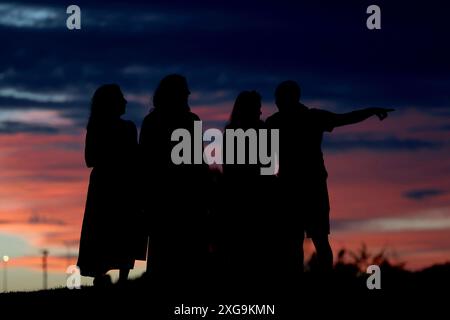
302, 253
102, 279
123, 275
324, 253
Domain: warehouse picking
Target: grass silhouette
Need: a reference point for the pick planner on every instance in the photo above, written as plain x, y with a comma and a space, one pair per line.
345, 286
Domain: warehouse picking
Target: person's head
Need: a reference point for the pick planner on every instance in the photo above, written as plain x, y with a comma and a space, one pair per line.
287, 94
172, 93
107, 103
246, 109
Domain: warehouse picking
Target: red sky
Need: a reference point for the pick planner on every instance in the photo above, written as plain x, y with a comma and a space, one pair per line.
43, 185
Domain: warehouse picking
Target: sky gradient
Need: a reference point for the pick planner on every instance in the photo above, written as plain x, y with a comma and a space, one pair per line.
389, 182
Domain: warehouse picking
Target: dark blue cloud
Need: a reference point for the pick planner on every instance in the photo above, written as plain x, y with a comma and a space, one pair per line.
227, 47
389, 143
421, 194
11, 127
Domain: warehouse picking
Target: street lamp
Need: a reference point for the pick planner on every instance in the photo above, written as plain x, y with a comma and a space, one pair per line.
5, 273
44, 268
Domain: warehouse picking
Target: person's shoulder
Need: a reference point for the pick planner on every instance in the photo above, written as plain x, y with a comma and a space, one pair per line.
193, 116
261, 124
320, 114
129, 126
316, 111
152, 116
273, 118
323, 118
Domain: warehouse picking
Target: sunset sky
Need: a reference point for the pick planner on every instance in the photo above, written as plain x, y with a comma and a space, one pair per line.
389, 181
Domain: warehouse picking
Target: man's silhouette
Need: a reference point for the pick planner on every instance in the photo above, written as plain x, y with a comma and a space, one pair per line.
173, 194
302, 173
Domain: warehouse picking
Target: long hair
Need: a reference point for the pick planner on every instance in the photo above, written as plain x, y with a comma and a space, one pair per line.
172, 94
246, 109
105, 104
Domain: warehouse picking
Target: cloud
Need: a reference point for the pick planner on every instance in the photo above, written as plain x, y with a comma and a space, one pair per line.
431, 219
431, 128
390, 143
233, 46
40, 219
421, 194
34, 120
12, 127
29, 16
34, 96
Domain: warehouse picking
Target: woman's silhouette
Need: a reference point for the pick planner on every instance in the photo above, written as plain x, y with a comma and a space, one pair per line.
175, 202
109, 237
245, 115
246, 242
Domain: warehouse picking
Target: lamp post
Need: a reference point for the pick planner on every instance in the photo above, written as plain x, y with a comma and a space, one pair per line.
44, 268
5, 273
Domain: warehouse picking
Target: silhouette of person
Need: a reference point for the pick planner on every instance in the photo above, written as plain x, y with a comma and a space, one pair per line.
302, 173
247, 243
245, 115
238, 238
109, 238
174, 203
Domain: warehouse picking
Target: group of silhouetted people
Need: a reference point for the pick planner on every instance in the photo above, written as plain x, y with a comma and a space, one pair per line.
189, 221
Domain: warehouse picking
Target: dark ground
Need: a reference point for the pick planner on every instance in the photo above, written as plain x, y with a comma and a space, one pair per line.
343, 293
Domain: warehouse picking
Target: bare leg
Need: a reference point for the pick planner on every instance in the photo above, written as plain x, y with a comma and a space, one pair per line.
324, 253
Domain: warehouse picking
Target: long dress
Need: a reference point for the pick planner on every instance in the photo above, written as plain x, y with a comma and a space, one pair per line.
174, 200
248, 225
111, 237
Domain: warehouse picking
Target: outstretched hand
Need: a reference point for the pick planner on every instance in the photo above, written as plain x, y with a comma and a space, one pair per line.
381, 113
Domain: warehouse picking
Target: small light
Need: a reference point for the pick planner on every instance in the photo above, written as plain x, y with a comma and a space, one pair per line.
5, 258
